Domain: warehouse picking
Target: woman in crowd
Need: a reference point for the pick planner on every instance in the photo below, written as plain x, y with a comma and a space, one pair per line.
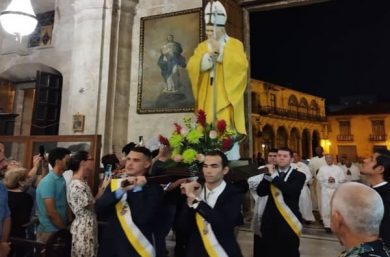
81, 201
20, 202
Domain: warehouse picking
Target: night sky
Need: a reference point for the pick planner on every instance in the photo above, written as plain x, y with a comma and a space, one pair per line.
331, 49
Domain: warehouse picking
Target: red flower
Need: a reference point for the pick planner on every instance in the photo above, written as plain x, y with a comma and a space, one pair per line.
163, 140
201, 117
227, 143
221, 126
177, 128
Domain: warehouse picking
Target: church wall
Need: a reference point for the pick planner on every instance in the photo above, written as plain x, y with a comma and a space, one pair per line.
56, 56
151, 125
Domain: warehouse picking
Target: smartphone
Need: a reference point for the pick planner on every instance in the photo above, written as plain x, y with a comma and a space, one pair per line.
108, 170
41, 150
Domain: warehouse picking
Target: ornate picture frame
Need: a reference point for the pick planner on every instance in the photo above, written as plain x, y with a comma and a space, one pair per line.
167, 41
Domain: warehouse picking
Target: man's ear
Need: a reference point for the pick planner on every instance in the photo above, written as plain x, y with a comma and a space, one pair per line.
226, 170
147, 164
379, 169
337, 221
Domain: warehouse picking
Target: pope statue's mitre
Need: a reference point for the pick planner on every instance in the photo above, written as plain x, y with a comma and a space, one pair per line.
215, 14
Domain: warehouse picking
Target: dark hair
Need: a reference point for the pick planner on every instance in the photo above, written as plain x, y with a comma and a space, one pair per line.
224, 159
384, 160
110, 159
127, 148
383, 152
286, 149
141, 149
75, 160
273, 150
58, 153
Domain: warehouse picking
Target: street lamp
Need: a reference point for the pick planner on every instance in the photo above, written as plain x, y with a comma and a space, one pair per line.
19, 18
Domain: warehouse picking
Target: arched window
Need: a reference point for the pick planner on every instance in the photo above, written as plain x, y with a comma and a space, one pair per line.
314, 109
303, 106
293, 103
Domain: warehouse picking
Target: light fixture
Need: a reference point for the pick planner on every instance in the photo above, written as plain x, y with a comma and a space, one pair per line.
19, 18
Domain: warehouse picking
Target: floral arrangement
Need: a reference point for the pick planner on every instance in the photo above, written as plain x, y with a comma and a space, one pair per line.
190, 141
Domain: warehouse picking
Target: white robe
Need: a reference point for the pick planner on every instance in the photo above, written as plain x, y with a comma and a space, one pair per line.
355, 172
327, 189
305, 201
314, 165
260, 203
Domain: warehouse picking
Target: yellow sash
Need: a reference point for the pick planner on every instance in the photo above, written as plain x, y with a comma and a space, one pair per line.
210, 242
140, 243
287, 214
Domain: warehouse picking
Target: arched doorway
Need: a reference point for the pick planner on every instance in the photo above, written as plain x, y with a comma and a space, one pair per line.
38, 92
315, 140
268, 138
295, 140
281, 137
306, 144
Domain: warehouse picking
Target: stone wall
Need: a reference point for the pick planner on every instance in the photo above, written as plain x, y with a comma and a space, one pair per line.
151, 125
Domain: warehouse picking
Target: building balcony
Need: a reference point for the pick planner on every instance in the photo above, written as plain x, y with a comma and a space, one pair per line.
267, 110
378, 137
344, 137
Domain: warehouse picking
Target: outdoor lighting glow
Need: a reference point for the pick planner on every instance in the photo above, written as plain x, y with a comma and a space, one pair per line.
19, 18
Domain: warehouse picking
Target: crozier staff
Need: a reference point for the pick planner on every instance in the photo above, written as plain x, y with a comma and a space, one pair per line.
219, 64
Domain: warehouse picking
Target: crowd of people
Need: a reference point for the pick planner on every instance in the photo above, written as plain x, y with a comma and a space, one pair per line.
137, 214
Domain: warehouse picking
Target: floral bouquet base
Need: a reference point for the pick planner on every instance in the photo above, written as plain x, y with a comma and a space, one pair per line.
190, 142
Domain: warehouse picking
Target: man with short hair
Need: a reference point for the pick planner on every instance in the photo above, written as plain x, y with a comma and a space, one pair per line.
212, 211
351, 171
129, 205
281, 226
377, 171
356, 214
260, 203
329, 177
53, 212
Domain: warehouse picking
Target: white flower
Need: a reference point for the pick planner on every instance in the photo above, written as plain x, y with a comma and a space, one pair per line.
213, 134
184, 132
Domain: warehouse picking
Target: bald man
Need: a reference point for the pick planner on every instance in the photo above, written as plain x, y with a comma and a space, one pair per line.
356, 214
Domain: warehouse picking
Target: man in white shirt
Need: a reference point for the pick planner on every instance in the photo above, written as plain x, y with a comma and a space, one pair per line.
329, 176
315, 163
305, 203
260, 203
212, 211
351, 171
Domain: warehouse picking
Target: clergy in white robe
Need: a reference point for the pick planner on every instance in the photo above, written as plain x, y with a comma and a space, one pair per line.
315, 163
305, 201
351, 171
329, 176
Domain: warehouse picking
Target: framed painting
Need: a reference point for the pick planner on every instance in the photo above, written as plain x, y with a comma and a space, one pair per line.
78, 123
167, 42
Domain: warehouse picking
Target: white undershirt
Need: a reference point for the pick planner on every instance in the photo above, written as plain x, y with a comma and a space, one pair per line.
211, 196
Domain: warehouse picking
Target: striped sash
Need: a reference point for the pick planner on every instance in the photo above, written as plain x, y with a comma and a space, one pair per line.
210, 242
140, 243
285, 211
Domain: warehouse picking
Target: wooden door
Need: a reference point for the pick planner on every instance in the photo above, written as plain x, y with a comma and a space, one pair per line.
47, 104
